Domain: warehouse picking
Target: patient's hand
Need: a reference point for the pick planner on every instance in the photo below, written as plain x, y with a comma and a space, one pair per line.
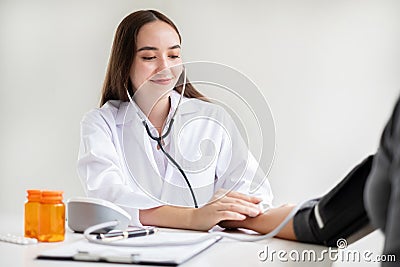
266, 222
225, 205
247, 223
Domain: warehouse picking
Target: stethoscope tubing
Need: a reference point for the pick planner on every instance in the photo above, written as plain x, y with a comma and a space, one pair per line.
159, 139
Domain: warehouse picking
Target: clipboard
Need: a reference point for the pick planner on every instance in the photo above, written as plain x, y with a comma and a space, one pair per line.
83, 250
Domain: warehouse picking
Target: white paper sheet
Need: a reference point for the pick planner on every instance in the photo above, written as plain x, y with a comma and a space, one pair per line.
85, 251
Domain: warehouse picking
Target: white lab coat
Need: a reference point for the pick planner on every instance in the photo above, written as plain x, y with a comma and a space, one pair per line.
116, 157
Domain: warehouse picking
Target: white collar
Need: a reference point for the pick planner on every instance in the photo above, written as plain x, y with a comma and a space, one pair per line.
174, 101
127, 113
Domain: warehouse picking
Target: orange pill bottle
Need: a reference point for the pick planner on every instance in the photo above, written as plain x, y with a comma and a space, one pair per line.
52, 217
32, 213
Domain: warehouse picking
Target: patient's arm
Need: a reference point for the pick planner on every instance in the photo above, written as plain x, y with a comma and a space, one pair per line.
266, 222
341, 210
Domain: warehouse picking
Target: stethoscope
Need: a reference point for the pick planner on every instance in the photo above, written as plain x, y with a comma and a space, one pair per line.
215, 235
159, 138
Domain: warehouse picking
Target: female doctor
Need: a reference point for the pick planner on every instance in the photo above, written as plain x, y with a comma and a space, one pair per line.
199, 161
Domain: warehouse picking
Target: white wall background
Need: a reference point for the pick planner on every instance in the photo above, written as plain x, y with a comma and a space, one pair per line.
329, 69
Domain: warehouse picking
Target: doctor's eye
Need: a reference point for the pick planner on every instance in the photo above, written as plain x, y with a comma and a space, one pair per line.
148, 58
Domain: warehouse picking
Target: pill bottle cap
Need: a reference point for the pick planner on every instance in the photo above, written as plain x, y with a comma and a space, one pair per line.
34, 195
51, 196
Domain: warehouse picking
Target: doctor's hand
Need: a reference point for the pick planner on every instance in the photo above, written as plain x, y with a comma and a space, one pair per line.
266, 222
225, 206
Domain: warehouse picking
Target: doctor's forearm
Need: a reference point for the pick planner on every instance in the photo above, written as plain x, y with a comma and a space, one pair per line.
167, 216
233, 206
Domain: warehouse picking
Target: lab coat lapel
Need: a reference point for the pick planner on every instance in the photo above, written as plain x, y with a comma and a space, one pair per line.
175, 190
138, 154
140, 159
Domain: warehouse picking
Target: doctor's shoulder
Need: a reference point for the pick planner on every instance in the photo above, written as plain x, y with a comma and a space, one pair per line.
216, 112
204, 108
104, 116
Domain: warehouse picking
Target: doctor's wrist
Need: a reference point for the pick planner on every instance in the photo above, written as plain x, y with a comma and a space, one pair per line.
195, 221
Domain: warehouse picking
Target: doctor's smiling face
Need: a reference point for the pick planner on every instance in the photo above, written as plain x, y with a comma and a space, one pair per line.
157, 65
145, 47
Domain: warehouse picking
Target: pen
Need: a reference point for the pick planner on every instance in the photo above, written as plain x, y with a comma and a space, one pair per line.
126, 234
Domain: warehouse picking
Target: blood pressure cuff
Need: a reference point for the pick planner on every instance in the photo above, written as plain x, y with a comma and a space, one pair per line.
338, 214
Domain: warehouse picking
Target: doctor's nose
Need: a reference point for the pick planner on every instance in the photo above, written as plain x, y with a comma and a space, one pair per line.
163, 65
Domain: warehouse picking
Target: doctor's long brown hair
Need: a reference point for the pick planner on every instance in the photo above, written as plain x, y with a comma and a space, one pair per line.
123, 52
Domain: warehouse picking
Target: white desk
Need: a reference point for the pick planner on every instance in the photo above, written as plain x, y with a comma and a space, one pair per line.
224, 253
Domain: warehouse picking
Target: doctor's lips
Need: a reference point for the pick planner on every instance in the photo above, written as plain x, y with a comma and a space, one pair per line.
162, 81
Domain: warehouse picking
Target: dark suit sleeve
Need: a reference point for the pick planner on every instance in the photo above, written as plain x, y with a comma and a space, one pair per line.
382, 193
